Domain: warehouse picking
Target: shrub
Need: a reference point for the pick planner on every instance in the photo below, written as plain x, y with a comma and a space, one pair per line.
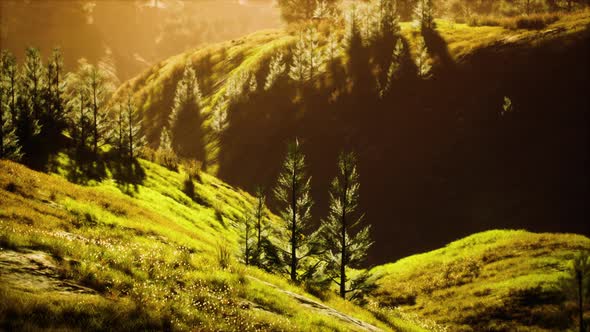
193, 168
223, 255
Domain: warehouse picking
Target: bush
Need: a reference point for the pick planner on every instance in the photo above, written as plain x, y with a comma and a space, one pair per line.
193, 168
223, 255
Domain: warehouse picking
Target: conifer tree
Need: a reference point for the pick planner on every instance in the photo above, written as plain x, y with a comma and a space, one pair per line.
388, 18
423, 60
276, 69
78, 99
308, 60
259, 226
246, 236
219, 117
134, 137
120, 131
9, 145
424, 15
345, 246
393, 70
30, 102
99, 83
298, 71
53, 118
333, 48
10, 74
185, 120
301, 10
293, 194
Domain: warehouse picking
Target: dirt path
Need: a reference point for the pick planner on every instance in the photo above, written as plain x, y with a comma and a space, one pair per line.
34, 271
322, 308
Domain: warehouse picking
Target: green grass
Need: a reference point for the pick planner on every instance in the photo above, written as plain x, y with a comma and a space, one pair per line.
151, 257
471, 283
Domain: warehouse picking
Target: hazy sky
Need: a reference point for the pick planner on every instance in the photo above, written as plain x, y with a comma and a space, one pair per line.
139, 33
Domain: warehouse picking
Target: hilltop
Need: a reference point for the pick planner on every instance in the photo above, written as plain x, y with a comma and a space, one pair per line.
432, 149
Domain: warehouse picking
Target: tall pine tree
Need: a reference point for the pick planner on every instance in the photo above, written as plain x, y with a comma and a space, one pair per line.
9, 144
345, 245
185, 120
293, 194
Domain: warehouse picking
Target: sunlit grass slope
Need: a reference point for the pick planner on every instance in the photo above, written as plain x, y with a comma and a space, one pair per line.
499, 280
147, 261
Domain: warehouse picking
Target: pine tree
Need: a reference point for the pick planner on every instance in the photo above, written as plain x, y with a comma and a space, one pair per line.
245, 224
259, 226
10, 74
393, 70
424, 15
219, 117
120, 132
423, 60
53, 119
276, 70
333, 48
185, 120
301, 10
388, 18
99, 82
343, 248
78, 100
9, 144
293, 194
30, 102
135, 138
298, 70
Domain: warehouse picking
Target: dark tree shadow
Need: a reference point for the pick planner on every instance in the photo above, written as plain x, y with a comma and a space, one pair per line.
439, 51
128, 174
84, 167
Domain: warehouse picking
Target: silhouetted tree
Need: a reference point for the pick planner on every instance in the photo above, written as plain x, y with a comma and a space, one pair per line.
30, 101
298, 10
344, 248
292, 193
577, 284
53, 119
185, 119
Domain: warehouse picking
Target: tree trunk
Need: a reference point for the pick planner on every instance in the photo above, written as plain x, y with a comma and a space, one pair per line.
580, 299
343, 235
294, 228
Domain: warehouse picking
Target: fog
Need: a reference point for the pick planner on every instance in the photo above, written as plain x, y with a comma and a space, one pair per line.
138, 33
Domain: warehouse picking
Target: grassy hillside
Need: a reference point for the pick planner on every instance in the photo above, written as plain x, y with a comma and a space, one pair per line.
493, 281
433, 149
93, 258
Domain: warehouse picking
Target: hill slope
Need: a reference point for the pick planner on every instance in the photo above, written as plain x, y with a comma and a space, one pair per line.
434, 154
491, 281
94, 258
